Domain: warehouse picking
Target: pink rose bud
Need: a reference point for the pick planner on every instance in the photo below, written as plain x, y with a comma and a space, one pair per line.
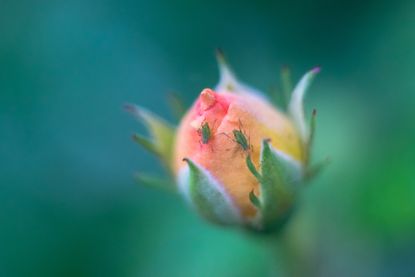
237, 159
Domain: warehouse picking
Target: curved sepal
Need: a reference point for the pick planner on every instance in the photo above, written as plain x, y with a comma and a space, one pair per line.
315, 169
280, 175
295, 107
155, 182
228, 81
286, 81
206, 195
177, 105
161, 133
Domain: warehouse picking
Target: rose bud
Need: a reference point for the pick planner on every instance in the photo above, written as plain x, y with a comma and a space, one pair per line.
237, 159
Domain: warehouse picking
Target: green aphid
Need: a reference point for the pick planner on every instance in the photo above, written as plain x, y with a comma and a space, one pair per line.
240, 138
206, 133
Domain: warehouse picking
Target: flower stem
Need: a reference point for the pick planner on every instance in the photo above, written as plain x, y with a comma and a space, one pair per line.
288, 257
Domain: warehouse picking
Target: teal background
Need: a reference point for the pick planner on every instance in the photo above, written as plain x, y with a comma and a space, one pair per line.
68, 203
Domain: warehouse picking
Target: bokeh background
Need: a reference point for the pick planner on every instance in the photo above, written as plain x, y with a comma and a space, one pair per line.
69, 205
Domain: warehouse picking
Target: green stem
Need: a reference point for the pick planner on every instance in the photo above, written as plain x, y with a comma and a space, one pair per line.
288, 258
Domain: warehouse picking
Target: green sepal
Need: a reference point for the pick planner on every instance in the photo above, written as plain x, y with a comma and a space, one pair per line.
145, 143
280, 176
295, 107
313, 123
287, 85
155, 182
228, 81
177, 105
252, 168
254, 200
207, 195
309, 143
314, 170
161, 133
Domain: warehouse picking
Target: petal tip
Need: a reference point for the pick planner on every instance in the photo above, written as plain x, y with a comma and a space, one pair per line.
130, 108
316, 70
207, 98
220, 56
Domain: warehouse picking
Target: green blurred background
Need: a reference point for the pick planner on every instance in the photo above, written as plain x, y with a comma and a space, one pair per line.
68, 203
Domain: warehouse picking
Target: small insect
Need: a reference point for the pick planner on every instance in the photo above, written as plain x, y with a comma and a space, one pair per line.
205, 133
241, 138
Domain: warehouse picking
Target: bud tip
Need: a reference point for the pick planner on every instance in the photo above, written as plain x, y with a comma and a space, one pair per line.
207, 98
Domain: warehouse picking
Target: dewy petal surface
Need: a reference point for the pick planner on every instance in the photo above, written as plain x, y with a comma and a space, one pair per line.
221, 156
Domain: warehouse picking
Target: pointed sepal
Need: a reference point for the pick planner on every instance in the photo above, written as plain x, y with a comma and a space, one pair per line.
252, 168
155, 182
280, 176
228, 81
161, 133
315, 169
146, 143
295, 107
287, 86
177, 105
254, 200
309, 143
207, 195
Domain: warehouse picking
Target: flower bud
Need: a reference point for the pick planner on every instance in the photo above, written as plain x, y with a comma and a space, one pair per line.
237, 159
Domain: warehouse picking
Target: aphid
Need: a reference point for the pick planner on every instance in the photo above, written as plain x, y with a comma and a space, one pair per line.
240, 137
205, 133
